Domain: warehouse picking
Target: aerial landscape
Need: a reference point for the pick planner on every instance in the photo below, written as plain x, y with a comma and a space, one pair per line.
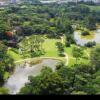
50, 47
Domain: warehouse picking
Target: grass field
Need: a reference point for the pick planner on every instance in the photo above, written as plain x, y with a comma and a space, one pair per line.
50, 48
72, 60
14, 55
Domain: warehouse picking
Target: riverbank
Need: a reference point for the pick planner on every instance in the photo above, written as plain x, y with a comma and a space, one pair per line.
22, 71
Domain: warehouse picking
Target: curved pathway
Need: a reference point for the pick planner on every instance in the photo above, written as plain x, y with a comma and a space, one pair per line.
29, 59
66, 58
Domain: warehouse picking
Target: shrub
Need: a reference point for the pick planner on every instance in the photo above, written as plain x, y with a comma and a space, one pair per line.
68, 44
34, 62
84, 33
70, 38
60, 47
59, 65
90, 44
61, 54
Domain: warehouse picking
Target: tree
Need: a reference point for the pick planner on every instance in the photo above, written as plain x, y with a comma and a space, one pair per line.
95, 57
27, 30
77, 52
69, 40
81, 79
84, 33
90, 44
6, 64
69, 29
3, 28
90, 23
59, 65
60, 47
32, 45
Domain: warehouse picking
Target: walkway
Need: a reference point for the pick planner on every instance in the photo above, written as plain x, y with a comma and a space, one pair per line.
66, 58
29, 59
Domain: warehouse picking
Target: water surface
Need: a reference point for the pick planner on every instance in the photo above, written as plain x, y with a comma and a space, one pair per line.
21, 73
83, 41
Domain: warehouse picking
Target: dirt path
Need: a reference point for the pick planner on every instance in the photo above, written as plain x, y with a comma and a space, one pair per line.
66, 58
29, 59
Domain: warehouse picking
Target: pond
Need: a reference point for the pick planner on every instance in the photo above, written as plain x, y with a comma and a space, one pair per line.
83, 41
20, 76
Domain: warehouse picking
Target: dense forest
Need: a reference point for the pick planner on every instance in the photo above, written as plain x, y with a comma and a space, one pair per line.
27, 30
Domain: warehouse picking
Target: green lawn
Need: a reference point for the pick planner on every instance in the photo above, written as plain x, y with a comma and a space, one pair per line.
14, 55
72, 60
68, 50
50, 48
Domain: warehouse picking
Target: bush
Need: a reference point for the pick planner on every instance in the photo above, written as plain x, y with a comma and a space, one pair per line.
60, 47
59, 65
68, 44
61, 54
70, 38
34, 62
90, 44
84, 33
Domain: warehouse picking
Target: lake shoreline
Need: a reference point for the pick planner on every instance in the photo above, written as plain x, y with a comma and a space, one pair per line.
20, 76
82, 41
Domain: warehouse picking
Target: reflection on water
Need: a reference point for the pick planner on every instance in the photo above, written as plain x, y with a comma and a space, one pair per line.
83, 41
20, 76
